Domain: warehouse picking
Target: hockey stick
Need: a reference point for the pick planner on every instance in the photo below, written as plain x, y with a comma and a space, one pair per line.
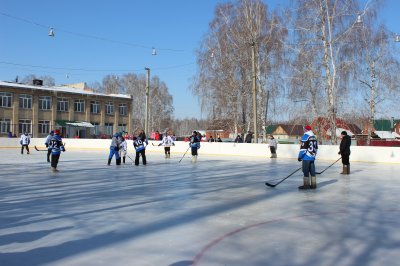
274, 185
184, 154
130, 158
318, 173
39, 150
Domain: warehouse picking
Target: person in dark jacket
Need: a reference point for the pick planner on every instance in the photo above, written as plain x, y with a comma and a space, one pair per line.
249, 137
345, 152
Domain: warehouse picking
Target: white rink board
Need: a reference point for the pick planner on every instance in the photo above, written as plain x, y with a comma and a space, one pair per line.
325, 152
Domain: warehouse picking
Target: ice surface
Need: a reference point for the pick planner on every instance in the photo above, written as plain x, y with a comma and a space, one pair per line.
215, 212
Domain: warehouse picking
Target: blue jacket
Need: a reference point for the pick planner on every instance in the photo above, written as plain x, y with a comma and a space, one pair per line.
309, 147
56, 145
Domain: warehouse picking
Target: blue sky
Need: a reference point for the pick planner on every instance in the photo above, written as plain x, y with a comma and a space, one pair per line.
174, 27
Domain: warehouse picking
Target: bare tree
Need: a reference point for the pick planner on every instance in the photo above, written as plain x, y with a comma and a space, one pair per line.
224, 79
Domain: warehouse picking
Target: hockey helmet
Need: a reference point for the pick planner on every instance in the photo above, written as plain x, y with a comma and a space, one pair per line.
57, 132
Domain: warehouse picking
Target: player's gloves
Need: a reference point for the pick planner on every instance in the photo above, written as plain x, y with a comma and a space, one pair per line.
338, 152
116, 149
299, 159
47, 145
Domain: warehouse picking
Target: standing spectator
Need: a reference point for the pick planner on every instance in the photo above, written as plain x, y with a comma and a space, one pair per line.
345, 152
157, 136
249, 137
218, 139
307, 154
24, 141
273, 146
211, 139
9, 134
239, 139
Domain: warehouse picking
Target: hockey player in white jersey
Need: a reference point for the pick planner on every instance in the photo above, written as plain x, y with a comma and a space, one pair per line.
167, 142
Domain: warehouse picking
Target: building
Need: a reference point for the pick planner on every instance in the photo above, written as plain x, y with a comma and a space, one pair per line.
77, 112
285, 132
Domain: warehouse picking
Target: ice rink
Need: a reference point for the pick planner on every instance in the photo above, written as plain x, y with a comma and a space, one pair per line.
215, 212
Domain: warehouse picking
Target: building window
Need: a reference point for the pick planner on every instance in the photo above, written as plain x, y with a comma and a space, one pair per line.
121, 127
94, 107
44, 127
109, 108
25, 101
109, 128
44, 102
79, 106
62, 104
96, 128
5, 99
24, 125
123, 109
5, 125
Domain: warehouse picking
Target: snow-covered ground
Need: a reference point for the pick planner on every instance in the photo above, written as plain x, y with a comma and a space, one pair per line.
215, 212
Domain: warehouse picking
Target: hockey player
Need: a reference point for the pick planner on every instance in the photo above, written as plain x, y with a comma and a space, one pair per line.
273, 146
47, 144
167, 142
345, 152
123, 149
114, 149
56, 148
24, 141
308, 151
138, 143
195, 145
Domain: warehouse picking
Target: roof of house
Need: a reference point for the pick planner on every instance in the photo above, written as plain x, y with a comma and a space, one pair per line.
384, 124
60, 89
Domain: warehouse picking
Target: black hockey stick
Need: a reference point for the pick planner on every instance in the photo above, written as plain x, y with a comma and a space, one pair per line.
130, 158
318, 173
274, 185
184, 154
39, 150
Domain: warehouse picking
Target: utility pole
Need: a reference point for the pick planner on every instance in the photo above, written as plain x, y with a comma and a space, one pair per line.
253, 59
146, 121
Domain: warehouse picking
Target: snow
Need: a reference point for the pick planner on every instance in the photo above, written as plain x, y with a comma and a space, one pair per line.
215, 212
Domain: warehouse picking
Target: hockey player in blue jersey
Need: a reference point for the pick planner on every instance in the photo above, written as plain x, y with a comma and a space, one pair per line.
56, 148
308, 151
195, 145
140, 148
114, 149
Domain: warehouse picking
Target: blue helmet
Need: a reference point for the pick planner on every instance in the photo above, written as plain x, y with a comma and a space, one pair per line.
116, 135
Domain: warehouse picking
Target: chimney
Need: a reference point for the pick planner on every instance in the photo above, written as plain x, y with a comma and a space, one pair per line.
38, 82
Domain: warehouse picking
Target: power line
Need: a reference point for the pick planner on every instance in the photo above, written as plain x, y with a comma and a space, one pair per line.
82, 35
93, 70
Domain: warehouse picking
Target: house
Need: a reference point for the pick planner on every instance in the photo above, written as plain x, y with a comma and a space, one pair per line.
285, 131
321, 127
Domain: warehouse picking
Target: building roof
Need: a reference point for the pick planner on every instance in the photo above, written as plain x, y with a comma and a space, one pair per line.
293, 129
384, 124
60, 89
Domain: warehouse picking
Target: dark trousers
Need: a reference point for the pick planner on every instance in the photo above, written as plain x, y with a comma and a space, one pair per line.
346, 159
167, 150
22, 149
194, 151
54, 160
48, 155
308, 168
138, 153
